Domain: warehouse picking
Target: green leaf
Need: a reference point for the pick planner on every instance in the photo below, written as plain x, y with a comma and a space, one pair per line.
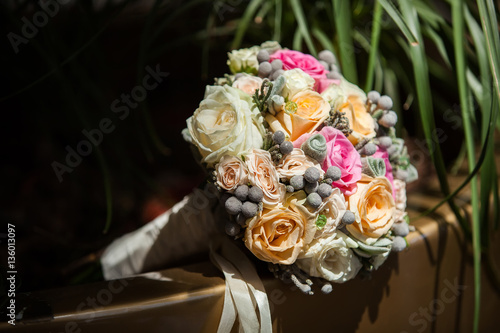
301, 21
374, 41
244, 23
401, 22
342, 14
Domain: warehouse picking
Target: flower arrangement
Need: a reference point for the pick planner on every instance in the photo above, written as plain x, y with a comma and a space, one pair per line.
308, 166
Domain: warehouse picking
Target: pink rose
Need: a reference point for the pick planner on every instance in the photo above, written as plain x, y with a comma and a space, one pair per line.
340, 153
382, 153
307, 63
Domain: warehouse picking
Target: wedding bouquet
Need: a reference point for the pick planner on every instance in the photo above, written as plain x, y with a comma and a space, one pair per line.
308, 166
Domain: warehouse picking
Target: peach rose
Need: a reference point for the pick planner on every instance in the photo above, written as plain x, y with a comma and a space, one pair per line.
360, 121
248, 83
263, 174
296, 163
374, 208
349, 98
278, 235
231, 172
312, 110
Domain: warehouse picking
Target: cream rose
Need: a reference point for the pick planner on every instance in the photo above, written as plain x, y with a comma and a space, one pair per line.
296, 163
243, 60
330, 258
296, 81
225, 124
262, 173
312, 110
231, 172
278, 235
248, 83
333, 208
374, 207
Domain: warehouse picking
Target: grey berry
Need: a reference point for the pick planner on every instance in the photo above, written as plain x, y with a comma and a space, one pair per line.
241, 192
324, 64
385, 142
389, 119
249, 209
232, 229
286, 147
277, 64
233, 206
324, 190
290, 189
373, 96
297, 182
255, 194
314, 200
327, 56
312, 174
262, 56
401, 229
265, 69
334, 75
334, 173
369, 149
238, 75
348, 217
398, 244
276, 74
385, 102
311, 187
278, 137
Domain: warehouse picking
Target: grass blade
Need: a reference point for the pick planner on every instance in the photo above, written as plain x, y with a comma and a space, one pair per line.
342, 16
278, 13
377, 19
301, 21
244, 22
464, 94
396, 16
424, 96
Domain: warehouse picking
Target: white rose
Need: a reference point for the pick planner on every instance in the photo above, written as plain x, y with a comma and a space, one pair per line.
262, 173
336, 94
333, 208
330, 258
248, 83
296, 80
225, 124
244, 60
296, 163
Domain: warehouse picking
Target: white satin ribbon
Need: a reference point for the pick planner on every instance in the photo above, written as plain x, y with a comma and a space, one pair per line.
244, 291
